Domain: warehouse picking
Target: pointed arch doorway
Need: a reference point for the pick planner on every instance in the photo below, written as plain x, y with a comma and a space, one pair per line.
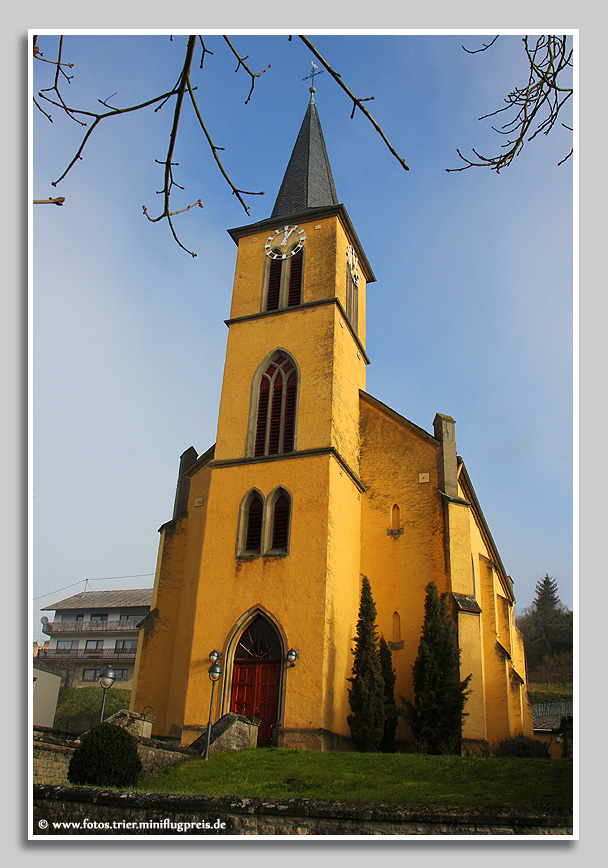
257, 675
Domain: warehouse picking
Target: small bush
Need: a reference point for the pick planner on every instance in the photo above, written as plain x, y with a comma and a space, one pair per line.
106, 756
522, 746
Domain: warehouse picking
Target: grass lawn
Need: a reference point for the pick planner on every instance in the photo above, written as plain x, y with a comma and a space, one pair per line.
395, 779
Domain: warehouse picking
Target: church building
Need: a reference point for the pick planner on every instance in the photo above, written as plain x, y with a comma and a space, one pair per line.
311, 484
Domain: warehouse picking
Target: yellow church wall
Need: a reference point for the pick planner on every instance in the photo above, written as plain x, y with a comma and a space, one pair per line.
400, 566
249, 343
293, 596
165, 644
343, 591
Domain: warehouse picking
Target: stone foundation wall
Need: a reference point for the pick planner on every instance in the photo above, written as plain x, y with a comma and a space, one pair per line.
105, 812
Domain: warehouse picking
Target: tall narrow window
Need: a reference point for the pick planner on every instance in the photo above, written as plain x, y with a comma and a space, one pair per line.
254, 524
395, 519
277, 398
280, 523
283, 278
396, 627
352, 301
274, 284
295, 279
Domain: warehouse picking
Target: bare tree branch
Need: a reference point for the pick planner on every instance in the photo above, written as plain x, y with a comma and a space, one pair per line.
241, 62
214, 151
59, 200
536, 105
357, 101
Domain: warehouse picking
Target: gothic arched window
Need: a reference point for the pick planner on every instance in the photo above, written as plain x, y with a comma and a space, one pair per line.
280, 520
254, 512
276, 407
259, 641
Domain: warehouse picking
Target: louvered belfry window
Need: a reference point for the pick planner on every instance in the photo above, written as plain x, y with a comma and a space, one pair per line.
274, 284
275, 425
295, 279
280, 525
254, 524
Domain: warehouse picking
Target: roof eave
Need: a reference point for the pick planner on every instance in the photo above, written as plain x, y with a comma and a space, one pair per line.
305, 215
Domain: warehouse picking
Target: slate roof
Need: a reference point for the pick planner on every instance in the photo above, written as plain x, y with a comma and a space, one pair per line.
105, 600
308, 181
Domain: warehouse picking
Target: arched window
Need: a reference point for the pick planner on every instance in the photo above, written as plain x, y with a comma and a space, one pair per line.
280, 506
264, 523
276, 408
294, 295
352, 301
396, 627
284, 279
259, 641
253, 524
274, 284
395, 517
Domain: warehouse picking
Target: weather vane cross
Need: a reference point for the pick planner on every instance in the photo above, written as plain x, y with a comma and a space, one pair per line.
315, 71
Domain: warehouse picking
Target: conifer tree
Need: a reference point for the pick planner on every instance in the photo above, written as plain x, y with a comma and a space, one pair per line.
546, 625
391, 717
435, 717
366, 696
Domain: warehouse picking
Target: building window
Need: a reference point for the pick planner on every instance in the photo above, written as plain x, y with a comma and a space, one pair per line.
121, 674
93, 645
280, 521
99, 617
283, 279
264, 523
259, 641
396, 627
253, 537
352, 301
90, 674
276, 407
125, 644
64, 644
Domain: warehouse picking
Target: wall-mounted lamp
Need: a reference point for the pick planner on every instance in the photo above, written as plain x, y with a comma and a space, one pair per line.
292, 656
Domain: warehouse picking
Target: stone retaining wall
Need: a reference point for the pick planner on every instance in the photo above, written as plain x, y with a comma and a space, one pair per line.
107, 812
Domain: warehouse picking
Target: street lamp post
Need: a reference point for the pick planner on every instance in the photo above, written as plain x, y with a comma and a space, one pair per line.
107, 676
215, 670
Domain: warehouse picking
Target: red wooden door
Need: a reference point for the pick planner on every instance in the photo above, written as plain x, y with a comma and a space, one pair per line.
255, 693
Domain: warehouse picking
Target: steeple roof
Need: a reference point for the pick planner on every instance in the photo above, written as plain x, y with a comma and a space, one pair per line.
308, 182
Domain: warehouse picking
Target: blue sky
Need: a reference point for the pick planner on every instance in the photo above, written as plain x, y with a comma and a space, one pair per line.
471, 314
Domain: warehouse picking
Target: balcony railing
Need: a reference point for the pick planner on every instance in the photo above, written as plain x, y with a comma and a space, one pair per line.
91, 626
90, 654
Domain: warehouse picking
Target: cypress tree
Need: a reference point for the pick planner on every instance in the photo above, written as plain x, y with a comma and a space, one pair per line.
366, 696
391, 717
435, 717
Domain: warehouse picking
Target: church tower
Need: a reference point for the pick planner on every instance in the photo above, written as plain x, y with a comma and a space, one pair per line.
311, 483
259, 557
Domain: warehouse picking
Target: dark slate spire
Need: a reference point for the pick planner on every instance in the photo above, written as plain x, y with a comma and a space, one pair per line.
308, 182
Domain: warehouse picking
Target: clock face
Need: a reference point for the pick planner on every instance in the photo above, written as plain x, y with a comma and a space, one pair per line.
353, 264
285, 242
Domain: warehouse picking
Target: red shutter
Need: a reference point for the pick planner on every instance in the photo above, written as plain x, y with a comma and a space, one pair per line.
295, 280
260, 434
275, 415
254, 525
274, 284
290, 412
280, 523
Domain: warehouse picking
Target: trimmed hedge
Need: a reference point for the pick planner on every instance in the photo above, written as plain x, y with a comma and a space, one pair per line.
106, 756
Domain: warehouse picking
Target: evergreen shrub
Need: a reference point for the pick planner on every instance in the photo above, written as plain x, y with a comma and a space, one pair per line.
522, 746
106, 756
